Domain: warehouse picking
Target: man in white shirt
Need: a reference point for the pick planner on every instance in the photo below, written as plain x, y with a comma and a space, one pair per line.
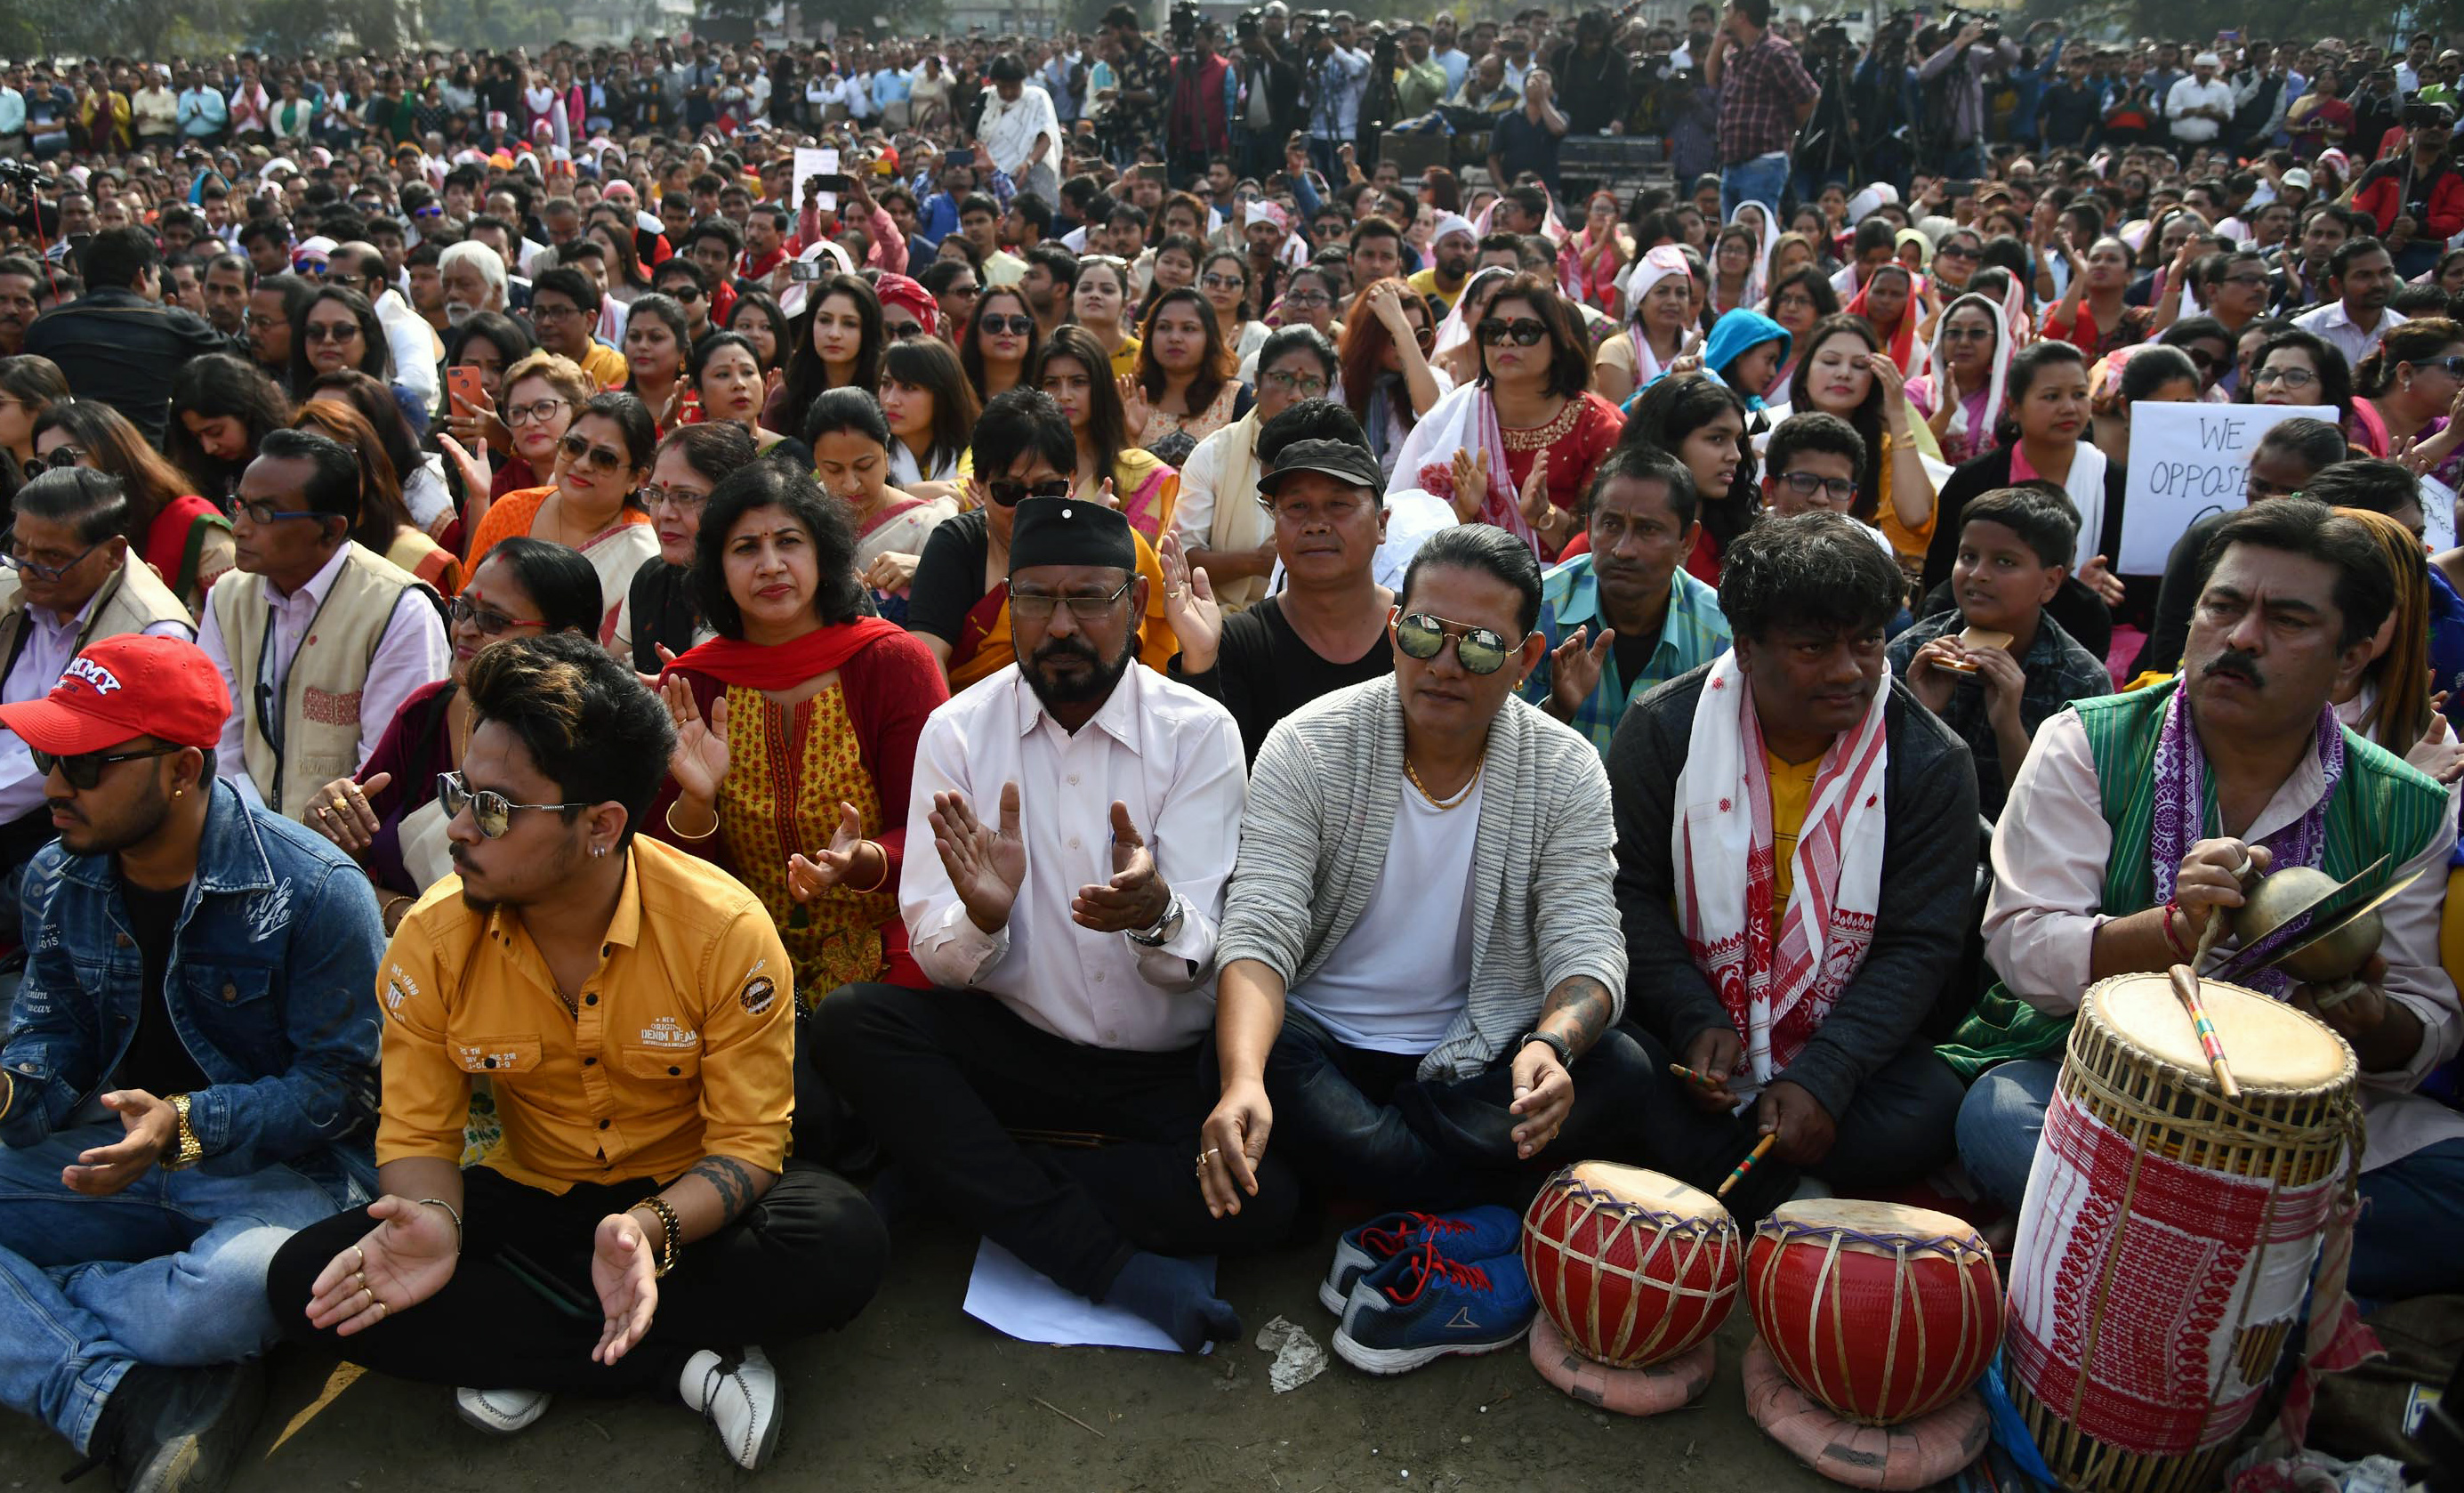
2362, 275
1020, 132
415, 346
1083, 814
2199, 106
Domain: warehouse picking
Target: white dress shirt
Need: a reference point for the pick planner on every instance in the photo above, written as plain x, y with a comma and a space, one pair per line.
2041, 921
2331, 322
412, 652
2188, 94
1174, 757
415, 346
51, 642
1008, 129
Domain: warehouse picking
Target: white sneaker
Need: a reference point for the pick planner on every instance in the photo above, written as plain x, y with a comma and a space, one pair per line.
741, 1401
501, 1412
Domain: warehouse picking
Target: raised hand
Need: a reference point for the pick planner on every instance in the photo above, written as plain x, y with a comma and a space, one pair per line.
987, 865
624, 1270
699, 762
1537, 510
403, 1260
1472, 484
2098, 576
845, 862
1190, 607
1137, 897
1894, 380
1574, 670
1135, 411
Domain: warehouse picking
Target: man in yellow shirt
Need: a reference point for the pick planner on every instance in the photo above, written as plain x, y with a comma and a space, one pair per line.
564, 309
632, 1009
1452, 247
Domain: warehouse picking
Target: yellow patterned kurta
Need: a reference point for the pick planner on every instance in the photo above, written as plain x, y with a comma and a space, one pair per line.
788, 768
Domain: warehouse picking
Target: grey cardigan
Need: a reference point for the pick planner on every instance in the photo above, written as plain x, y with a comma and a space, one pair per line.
1321, 812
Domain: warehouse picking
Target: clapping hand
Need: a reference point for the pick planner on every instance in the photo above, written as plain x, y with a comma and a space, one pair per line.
2098, 576
987, 865
809, 877
699, 761
1189, 605
1575, 671
1137, 897
1472, 484
1135, 411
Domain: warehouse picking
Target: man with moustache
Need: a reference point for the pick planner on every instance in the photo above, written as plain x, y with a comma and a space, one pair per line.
1083, 812
19, 278
190, 1073
1795, 842
2125, 826
2363, 276
1452, 247
229, 279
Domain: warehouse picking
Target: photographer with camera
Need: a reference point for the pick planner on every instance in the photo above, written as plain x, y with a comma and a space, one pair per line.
1765, 94
1143, 76
1267, 101
1198, 121
2416, 196
1336, 79
1827, 145
1953, 76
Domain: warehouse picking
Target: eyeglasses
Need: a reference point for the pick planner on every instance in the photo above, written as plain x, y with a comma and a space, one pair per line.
1306, 386
2452, 363
1967, 334
963, 292
653, 494
12, 560
1034, 607
1480, 650
1805, 484
1015, 325
1525, 330
491, 810
1215, 281
581, 453
487, 619
2290, 378
1306, 297
330, 331
262, 512
85, 770
1009, 491
2204, 360
901, 331
542, 312
543, 411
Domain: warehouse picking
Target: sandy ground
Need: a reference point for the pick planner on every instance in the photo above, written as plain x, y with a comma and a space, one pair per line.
916, 1394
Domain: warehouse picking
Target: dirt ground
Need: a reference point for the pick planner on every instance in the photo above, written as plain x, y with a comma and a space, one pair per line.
918, 1394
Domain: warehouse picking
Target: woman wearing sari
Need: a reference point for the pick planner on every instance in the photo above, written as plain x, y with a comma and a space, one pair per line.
186, 539
1594, 256
660, 617
1888, 303
852, 445
1960, 395
388, 818
1222, 526
2092, 316
1070, 368
593, 503
1660, 309
795, 729
1531, 430
1387, 382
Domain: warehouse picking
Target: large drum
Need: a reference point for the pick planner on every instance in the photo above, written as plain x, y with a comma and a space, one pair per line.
1632, 1267
1883, 1312
2168, 1234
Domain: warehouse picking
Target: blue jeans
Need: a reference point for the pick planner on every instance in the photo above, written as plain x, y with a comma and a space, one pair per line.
169, 1271
2409, 1208
1762, 180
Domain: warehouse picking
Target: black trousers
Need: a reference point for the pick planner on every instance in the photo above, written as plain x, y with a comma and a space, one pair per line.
1903, 1123
1069, 1157
1363, 1126
520, 1312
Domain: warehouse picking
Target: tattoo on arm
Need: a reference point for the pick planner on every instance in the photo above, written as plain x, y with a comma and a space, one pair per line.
732, 1179
1586, 1003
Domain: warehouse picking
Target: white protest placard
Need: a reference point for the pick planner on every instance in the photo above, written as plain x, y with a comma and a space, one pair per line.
810, 163
2187, 461
2438, 514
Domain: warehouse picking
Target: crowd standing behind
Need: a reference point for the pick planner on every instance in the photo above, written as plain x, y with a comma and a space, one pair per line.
1114, 609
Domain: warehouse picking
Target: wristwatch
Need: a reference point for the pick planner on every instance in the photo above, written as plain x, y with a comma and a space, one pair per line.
192, 1150
1554, 1043
1165, 926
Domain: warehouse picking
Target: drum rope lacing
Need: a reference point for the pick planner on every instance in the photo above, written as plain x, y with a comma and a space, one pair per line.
1899, 1247
1683, 1238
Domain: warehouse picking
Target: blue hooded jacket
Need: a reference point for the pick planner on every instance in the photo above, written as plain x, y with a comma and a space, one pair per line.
1737, 333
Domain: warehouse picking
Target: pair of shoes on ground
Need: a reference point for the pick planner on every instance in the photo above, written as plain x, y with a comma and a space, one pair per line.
1414, 1288
740, 1397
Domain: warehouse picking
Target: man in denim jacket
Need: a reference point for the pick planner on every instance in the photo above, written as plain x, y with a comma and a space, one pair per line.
190, 1075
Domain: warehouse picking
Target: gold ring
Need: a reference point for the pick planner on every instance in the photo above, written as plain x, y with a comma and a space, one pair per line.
359, 1279
369, 1294
381, 1308
363, 1257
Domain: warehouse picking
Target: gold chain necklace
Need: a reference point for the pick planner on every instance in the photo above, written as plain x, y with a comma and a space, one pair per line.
1442, 805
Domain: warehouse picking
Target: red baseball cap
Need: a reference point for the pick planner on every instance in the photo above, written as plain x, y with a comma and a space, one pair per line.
126, 687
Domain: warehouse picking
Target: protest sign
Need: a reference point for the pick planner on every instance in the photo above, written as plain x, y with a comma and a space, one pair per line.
810, 163
2187, 461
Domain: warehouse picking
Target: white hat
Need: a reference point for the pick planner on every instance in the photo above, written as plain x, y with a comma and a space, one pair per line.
2297, 177
2207, 59
1452, 223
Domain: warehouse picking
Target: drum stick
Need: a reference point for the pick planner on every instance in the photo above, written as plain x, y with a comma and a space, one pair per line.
1762, 1147
2185, 987
1699, 1081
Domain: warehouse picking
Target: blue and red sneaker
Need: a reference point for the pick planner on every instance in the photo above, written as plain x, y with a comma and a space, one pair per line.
1474, 1234
1422, 1305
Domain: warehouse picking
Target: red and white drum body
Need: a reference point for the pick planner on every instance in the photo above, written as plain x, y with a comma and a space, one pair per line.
1881, 1312
1632, 1267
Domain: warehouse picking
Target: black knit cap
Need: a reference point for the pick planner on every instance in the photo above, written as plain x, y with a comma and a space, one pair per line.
1069, 531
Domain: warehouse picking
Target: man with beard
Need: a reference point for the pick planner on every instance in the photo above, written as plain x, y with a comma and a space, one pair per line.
2126, 827
1793, 783
1452, 246
641, 1225
230, 281
1051, 275
191, 1074
2361, 277
1085, 815
19, 278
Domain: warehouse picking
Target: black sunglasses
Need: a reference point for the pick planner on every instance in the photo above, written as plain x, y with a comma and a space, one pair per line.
1008, 491
1015, 325
1525, 331
1480, 650
85, 770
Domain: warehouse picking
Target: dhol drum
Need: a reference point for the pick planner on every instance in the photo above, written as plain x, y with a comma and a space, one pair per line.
2168, 1235
1632, 1267
1883, 1312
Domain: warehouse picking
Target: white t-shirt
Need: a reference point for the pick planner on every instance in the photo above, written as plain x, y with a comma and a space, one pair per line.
1396, 983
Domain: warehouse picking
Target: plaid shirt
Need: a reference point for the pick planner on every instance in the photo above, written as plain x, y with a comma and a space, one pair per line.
2058, 671
1761, 89
1692, 634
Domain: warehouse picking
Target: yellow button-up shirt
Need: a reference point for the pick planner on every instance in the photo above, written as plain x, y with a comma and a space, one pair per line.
680, 1045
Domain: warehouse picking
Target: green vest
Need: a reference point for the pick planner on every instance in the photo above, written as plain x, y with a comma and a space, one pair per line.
2382, 807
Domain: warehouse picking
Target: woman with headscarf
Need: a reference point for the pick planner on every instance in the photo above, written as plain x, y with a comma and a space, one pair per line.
1595, 255
1960, 395
908, 311
1456, 354
1761, 223
1887, 301
1659, 317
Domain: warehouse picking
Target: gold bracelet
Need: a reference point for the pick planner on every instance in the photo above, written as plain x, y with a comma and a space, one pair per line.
670, 1233
681, 835
881, 880
8, 1093
451, 1212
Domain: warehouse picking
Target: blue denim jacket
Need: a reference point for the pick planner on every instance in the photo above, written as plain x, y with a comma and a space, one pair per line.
271, 989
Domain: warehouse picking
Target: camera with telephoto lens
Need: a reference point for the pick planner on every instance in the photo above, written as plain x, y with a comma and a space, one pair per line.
1184, 24
1249, 21
23, 172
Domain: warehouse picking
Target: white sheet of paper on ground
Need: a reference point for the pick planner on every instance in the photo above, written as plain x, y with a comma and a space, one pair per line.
1007, 1295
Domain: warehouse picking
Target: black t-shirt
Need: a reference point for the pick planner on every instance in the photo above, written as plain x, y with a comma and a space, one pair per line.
1632, 654
1264, 670
949, 576
158, 1062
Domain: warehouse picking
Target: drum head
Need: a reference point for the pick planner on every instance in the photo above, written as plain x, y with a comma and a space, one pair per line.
2270, 1044
1862, 1216
1646, 1188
